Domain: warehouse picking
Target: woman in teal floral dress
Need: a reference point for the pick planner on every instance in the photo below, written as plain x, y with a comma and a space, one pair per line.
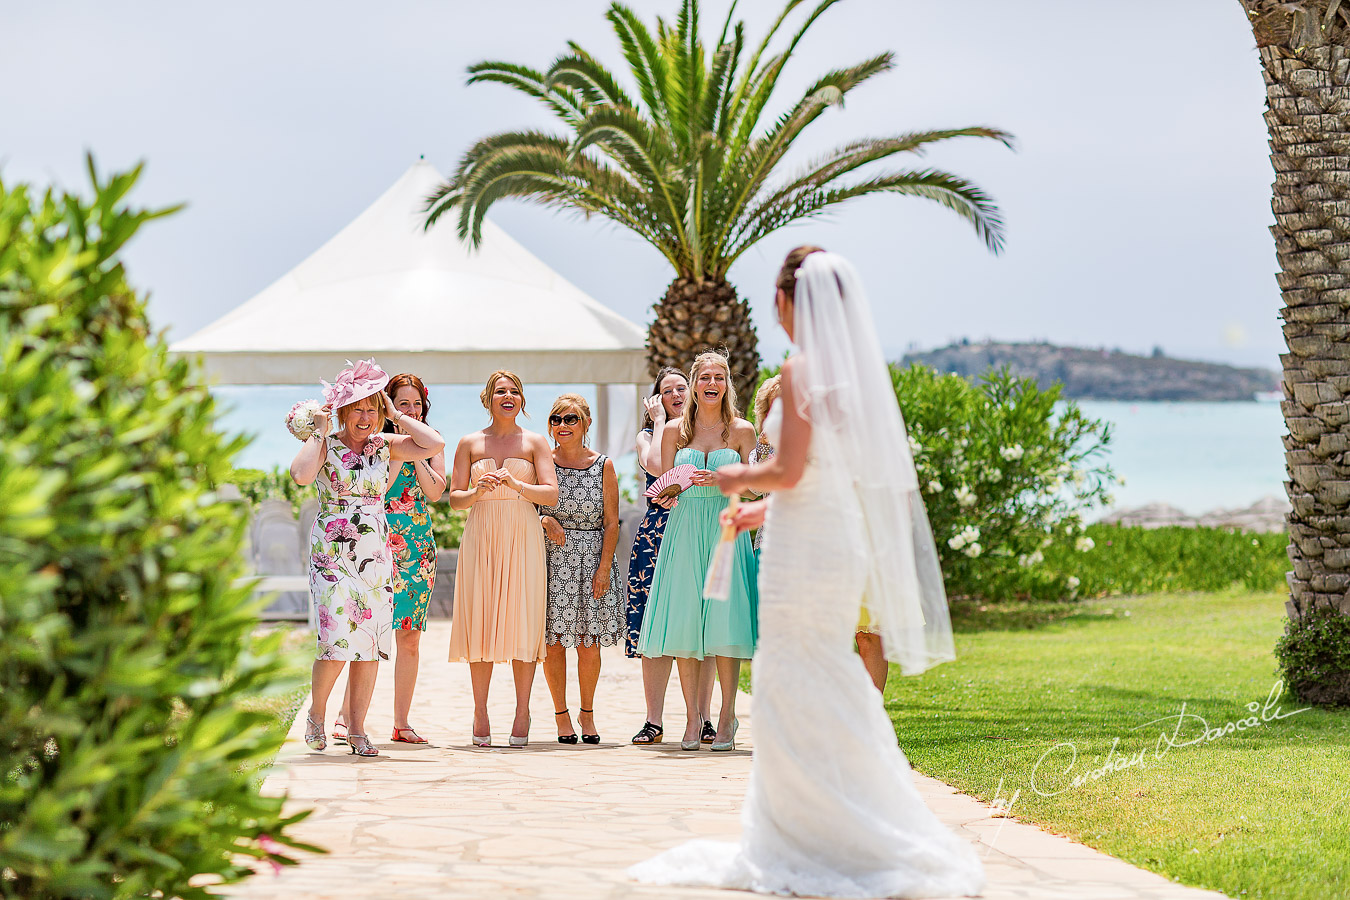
414, 550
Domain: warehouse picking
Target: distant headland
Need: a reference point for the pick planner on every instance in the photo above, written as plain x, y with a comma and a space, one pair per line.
1100, 374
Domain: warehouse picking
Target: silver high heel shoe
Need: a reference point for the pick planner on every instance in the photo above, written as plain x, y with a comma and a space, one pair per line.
360, 745
724, 746
695, 744
523, 739
314, 736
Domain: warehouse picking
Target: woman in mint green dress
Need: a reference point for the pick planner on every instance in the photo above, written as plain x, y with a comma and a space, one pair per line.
679, 621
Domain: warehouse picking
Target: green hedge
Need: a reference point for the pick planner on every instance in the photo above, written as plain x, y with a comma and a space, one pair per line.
125, 763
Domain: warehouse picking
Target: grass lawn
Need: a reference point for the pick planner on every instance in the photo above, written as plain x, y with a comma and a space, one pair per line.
1259, 812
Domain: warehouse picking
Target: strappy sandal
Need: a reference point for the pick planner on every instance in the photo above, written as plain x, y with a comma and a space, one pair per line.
565, 738
650, 734
360, 745
589, 738
339, 737
314, 737
415, 739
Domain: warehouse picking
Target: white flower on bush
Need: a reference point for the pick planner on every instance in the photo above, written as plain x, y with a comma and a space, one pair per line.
973, 550
964, 496
1047, 542
1030, 559
1011, 453
915, 446
935, 486
965, 536
1073, 583
994, 474
1084, 544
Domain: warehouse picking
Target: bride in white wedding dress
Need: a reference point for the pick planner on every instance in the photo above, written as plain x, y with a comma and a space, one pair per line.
831, 809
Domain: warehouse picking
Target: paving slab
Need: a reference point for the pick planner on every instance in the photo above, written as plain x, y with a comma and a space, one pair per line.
557, 821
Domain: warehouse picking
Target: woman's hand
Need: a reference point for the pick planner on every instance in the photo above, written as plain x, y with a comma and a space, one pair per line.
746, 516
600, 582
731, 480
488, 481
323, 423
656, 410
504, 476
553, 531
666, 502
703, 478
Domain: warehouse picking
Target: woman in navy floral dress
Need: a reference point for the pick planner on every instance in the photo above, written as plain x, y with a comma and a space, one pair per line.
669, 395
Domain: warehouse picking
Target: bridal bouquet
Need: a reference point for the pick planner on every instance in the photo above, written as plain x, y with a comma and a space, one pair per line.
301, 420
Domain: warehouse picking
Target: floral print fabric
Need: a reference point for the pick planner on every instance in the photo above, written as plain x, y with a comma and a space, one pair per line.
413, 548
642, 565
575, 616
350, 570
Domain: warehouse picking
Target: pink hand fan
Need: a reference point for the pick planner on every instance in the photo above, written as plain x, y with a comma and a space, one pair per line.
674, 482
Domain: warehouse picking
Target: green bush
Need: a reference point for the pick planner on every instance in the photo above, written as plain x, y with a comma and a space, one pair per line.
1132, 560
125, 758
1314, 657
1005, 475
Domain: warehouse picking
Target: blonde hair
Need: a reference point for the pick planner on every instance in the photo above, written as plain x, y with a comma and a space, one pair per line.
769, 389
486, 395
345, 412
728, 410
576, 402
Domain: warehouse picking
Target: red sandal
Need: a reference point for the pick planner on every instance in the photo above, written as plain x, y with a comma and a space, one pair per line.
415, 739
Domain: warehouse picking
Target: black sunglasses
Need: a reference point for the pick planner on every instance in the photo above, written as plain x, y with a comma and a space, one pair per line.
569, 419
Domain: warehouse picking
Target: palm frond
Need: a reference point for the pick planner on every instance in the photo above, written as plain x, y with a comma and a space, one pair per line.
588, 77
950, 191
644, 60
564, 102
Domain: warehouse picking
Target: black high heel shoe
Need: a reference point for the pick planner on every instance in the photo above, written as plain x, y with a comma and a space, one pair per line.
565, 738
589, 738
709, 733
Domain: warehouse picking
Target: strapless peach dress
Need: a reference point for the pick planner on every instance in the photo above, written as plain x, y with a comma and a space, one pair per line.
501, 579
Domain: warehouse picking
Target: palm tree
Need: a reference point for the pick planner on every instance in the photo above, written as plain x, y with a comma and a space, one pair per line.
689, 166
1305, 57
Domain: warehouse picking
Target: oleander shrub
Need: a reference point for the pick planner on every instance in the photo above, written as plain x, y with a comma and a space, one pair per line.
1007, 470
1314, 657
125, 755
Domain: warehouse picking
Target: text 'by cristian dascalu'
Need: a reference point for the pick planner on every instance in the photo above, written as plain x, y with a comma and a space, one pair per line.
1058, 768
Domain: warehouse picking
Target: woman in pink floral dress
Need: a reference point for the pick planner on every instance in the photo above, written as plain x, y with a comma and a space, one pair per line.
350, 568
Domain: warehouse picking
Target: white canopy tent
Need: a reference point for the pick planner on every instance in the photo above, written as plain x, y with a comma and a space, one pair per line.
422, 301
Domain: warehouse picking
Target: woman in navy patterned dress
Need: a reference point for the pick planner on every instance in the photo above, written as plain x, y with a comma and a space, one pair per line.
669, 394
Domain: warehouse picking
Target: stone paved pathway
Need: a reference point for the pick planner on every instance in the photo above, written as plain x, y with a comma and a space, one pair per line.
451, 820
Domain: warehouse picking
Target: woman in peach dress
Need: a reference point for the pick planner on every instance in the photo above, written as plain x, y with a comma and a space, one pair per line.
500, 474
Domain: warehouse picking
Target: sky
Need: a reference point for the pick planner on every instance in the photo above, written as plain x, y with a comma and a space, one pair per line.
1137, 201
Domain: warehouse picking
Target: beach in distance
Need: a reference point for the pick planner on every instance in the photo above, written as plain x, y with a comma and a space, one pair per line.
1197, 456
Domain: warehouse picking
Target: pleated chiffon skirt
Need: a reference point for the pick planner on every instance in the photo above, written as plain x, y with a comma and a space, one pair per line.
679, 620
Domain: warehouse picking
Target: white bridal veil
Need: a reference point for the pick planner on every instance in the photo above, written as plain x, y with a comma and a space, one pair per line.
843, 387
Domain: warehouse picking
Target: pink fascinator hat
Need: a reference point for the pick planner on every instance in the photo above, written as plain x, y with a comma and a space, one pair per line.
356, 382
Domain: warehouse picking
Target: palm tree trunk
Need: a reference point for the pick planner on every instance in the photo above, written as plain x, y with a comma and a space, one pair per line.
705, 315
1307, 75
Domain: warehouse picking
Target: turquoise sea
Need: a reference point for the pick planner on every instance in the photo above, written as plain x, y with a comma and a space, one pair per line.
1196, 456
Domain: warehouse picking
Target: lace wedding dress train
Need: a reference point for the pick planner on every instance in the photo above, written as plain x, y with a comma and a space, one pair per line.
831, 809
